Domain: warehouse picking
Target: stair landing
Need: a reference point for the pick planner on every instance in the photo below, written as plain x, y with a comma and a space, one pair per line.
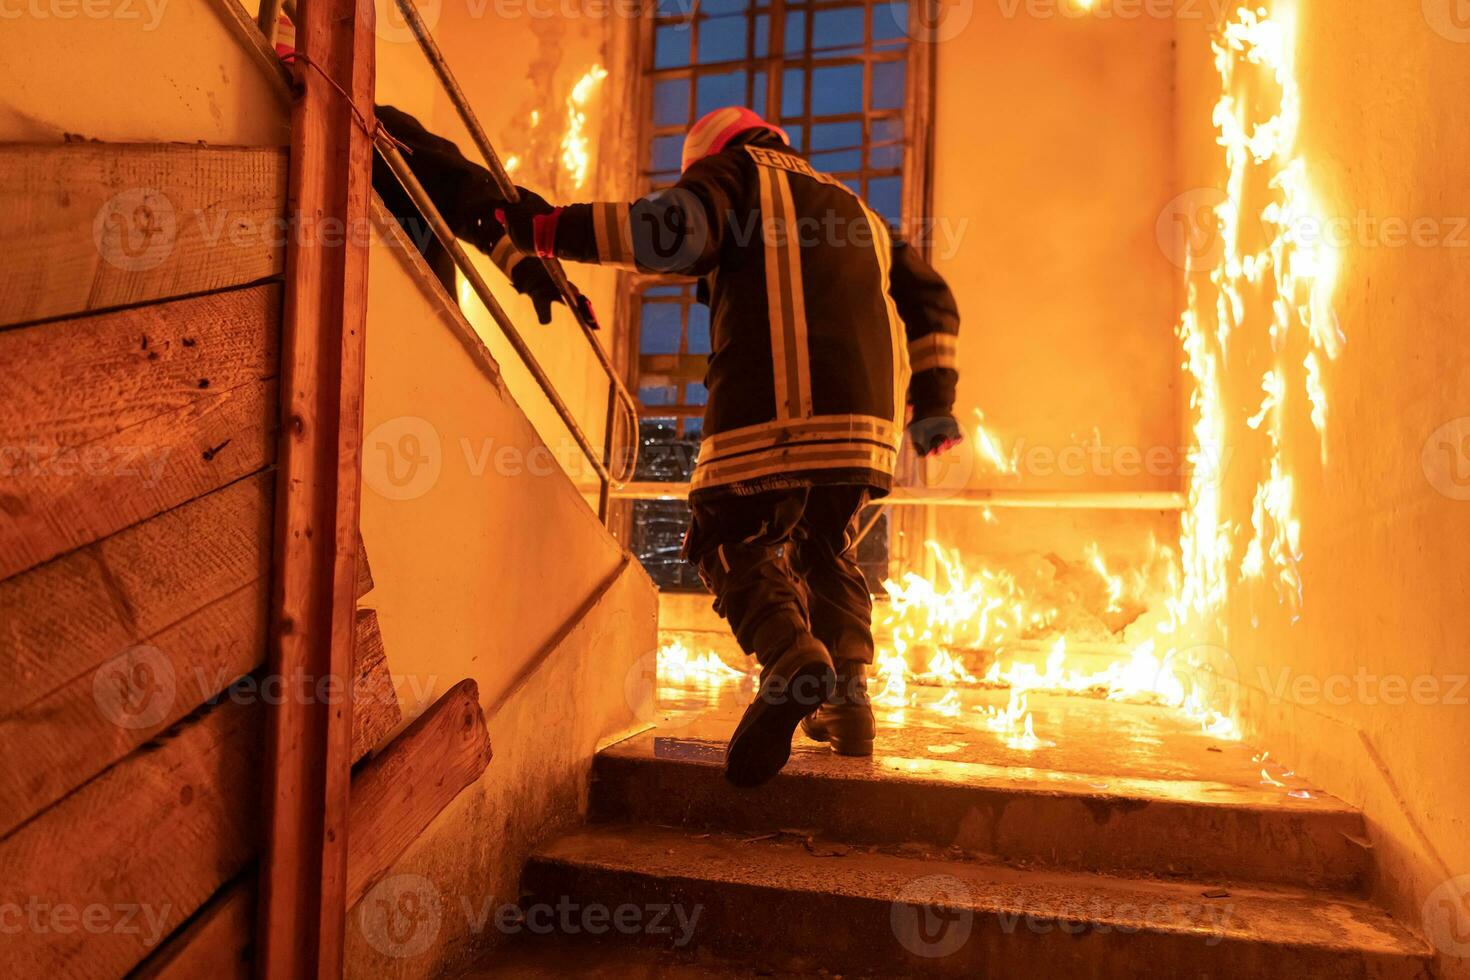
1109, 786
1123, 841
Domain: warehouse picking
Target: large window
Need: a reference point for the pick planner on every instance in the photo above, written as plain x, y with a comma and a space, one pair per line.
837, 78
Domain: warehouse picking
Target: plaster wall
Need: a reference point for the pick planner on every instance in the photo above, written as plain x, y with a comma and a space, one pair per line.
484, 554
482, 549
1053, 158
135, 72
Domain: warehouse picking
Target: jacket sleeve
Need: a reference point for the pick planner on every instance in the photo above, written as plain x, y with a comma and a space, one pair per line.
931, 318
678, 231
464, 192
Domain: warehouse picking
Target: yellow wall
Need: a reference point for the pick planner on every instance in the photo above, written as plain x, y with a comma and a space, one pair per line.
1054, 148
1384, 520
482, 553
135, 72
481, 547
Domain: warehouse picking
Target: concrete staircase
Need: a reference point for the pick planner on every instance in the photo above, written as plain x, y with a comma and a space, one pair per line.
1131, 845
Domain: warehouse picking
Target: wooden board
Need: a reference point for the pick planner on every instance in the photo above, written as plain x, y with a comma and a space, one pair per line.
308, 766
170, 824
64, 619
89, 226
375, 710
118, 417
394, 798
157, 834
109, 645
397, 792
364, 570
216, 945
61, 741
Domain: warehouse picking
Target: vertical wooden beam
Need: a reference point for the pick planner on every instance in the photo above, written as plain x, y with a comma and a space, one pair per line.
309, 737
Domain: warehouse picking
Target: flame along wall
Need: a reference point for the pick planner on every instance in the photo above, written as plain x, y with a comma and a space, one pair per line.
1322, 153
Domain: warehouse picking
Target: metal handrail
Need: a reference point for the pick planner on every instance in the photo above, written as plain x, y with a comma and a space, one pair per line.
977, 497
619, 393
603, 463
441, 230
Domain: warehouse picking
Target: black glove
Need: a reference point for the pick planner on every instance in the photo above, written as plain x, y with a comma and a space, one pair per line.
520, 219
935, 433
530, 278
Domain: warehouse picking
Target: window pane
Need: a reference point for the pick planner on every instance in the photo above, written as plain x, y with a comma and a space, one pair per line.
840, 28
885, 131
885, 157
758, 93
671, 102
660, 395
798, 137
793, 92
837, 89
695, 394
795, 32
888, 129
840, 162
699, 329
660, 330
762, 35
837, 136
715, 91
658, 539
671, 46
722, 39
890, 22
715, 7
885, 195
888, 85
666, 152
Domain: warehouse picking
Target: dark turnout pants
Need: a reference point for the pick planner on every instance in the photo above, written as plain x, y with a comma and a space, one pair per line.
783, 562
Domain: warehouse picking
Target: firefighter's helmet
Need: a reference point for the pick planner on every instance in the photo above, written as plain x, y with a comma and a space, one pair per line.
714, 131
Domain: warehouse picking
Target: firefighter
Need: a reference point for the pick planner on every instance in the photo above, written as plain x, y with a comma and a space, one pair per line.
466, 196
823, 326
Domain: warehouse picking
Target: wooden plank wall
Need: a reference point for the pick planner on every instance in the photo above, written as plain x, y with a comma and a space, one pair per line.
92, 226
139, 407
140, 320
394, 797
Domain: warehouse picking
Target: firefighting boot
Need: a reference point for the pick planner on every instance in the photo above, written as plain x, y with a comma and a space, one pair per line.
846, 720
793, 685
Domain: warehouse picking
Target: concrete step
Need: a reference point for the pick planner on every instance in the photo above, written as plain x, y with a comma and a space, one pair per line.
559, 957
800, 905
1173, 802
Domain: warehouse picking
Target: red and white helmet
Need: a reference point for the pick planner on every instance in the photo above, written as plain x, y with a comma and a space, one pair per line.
714, 131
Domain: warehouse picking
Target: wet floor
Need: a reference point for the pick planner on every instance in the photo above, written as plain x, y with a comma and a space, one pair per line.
965, 735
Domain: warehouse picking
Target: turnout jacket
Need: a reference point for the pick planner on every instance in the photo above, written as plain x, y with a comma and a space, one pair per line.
823, 324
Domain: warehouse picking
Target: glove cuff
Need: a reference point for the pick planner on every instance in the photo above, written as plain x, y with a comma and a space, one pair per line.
543, 233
